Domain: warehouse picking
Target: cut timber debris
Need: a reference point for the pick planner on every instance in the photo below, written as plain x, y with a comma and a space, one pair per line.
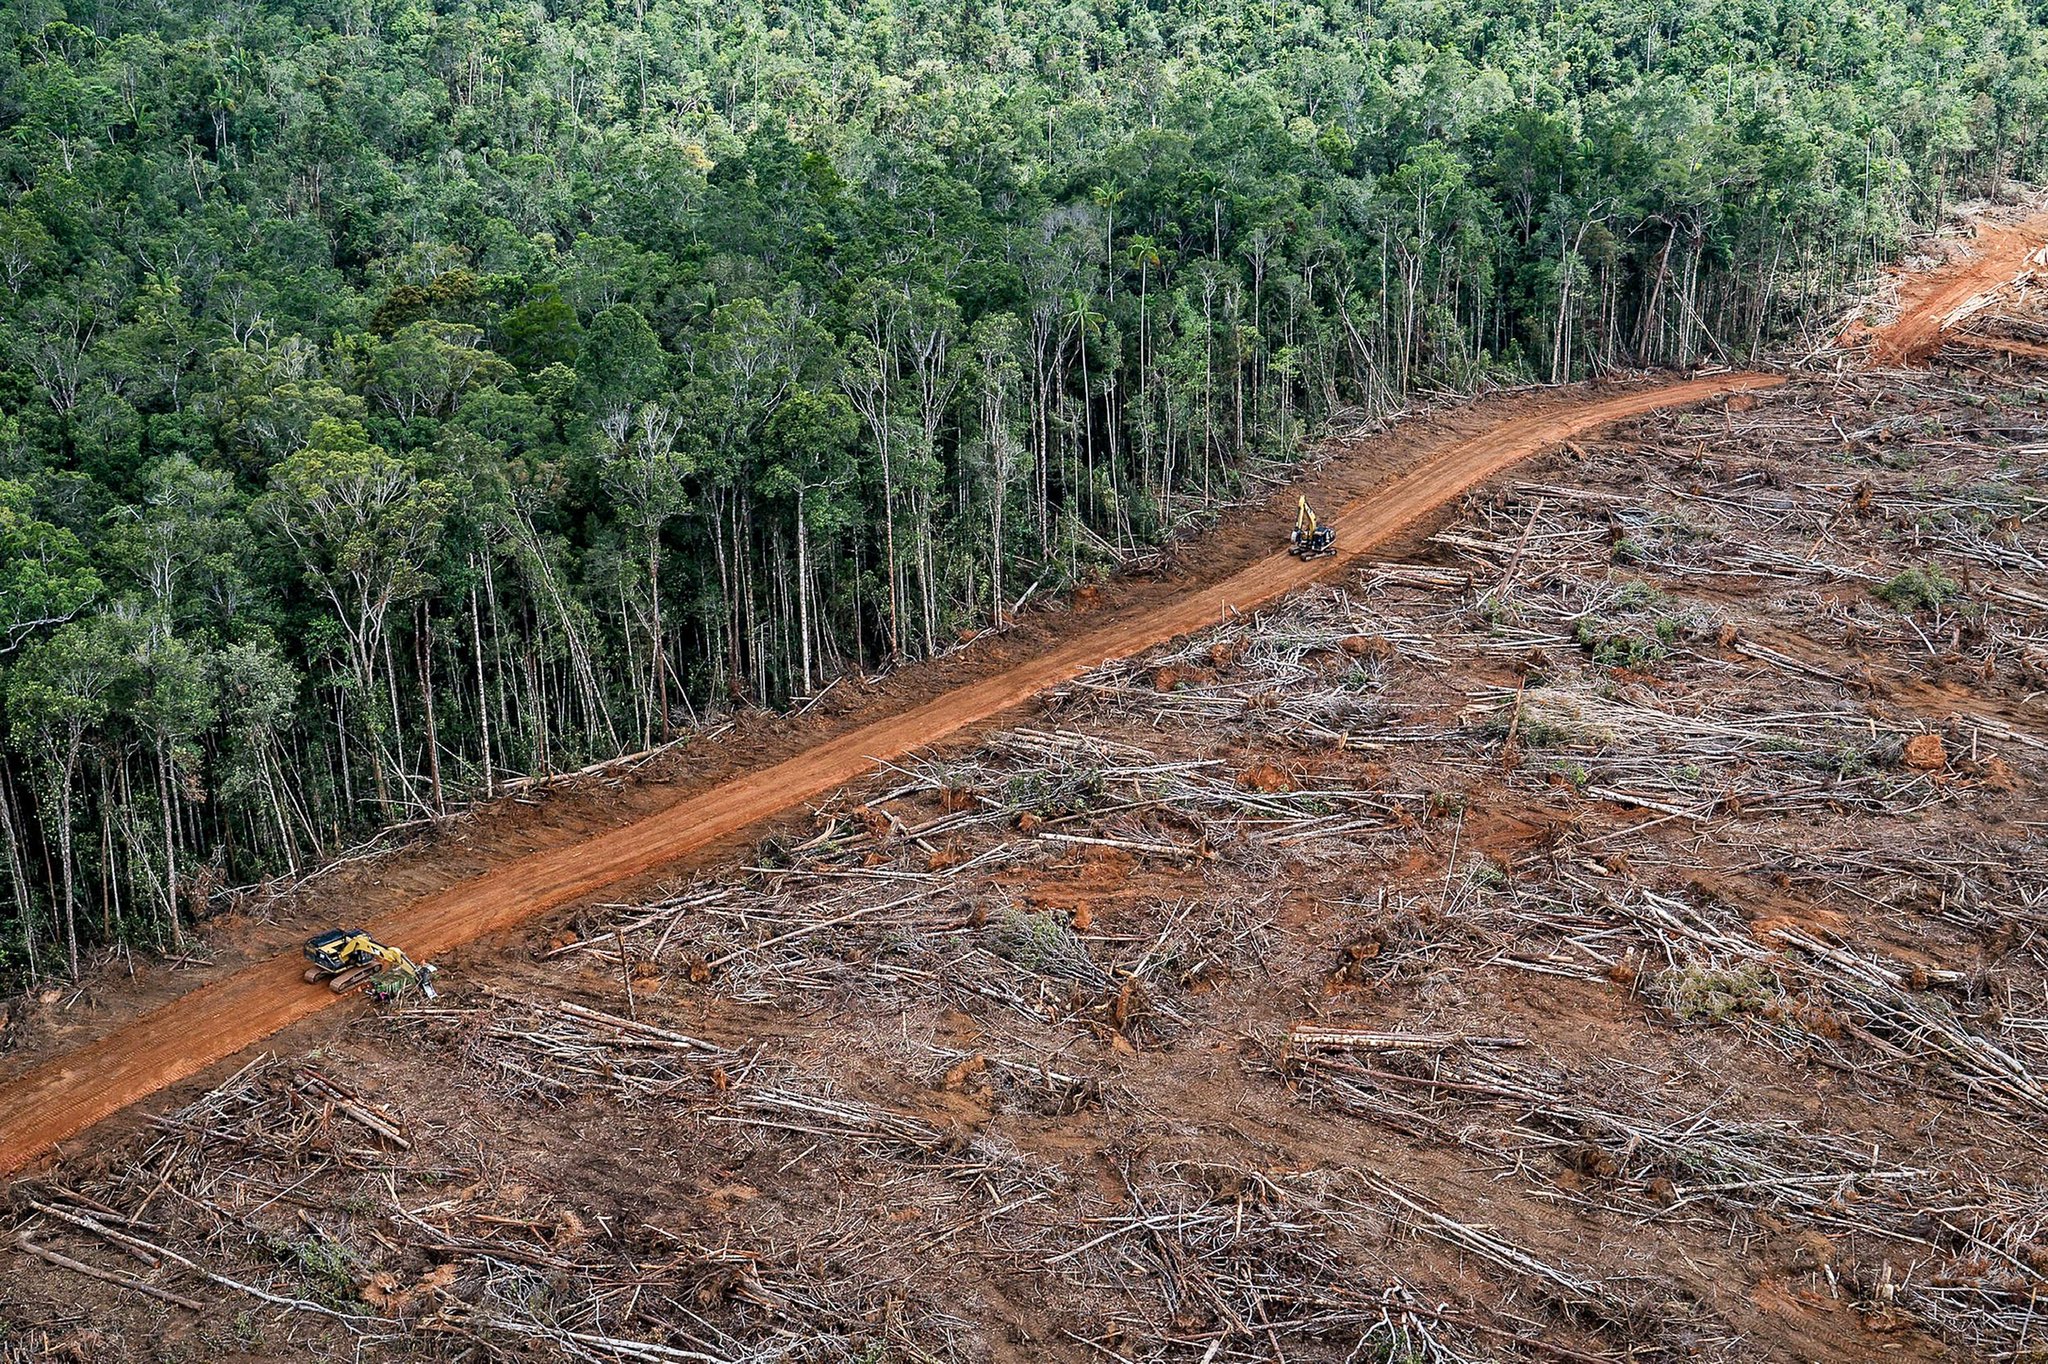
106, 1276
1346, 1039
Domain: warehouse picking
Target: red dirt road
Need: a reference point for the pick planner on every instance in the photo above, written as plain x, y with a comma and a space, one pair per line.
64, 1097
1933, 303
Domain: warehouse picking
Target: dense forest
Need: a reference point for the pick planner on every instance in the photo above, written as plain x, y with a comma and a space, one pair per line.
397, 396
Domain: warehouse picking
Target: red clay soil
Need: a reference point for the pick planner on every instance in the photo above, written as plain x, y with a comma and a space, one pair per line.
64, 1097
1933, 302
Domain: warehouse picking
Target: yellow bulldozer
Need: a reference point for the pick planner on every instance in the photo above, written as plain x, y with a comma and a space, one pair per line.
350, 959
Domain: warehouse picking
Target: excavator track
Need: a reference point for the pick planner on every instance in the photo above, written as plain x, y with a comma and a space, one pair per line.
352, 979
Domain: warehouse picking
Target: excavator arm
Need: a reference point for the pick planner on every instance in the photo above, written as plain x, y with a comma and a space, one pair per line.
349, 958
1311, 539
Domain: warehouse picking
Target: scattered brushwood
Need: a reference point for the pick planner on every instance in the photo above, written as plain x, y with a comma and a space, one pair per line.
1655, 1311
1639, 749
394, 1248
1666, 717
220, 1179
1828, 999
1696, 961
364, 1231
920, 904
1996, 890
1650, 1160
1233, 1265
558, 1052
1315, 674
820, 936
1245, 1265
1200, 809
568, 1051
268, 1118
861, 1125
1402, 940
1948, 567
708, 1305
1036, 1086
2010, 323
1609, 1139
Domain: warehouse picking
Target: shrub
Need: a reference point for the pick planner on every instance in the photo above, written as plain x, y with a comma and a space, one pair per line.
1709, 994
1623, 649
1918, 589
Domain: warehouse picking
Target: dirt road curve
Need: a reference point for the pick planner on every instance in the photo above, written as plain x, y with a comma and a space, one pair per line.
1933, 303
66, 1096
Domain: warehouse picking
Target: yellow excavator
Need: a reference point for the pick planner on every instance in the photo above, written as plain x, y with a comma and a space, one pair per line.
349, 959
1311, 539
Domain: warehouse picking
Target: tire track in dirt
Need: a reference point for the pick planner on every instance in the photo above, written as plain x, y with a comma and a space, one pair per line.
1934, 302
65, 1096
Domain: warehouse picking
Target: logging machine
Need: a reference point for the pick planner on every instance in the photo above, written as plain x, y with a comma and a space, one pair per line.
349, 959
1311, 539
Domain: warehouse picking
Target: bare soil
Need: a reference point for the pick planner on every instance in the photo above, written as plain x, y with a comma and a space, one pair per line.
1935, 303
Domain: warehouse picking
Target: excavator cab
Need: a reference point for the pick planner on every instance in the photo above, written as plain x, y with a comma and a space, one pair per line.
349, 959
1311, 538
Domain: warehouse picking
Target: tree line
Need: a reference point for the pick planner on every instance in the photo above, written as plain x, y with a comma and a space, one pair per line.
398, 397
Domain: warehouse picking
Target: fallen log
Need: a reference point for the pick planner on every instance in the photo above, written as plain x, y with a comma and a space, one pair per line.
22, 1243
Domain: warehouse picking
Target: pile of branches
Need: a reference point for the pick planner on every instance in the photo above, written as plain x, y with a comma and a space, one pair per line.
1312, 672
1951, 565
1644, 751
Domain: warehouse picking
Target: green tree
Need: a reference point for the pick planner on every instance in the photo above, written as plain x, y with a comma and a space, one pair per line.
809, 442
45, 578
425, 369
58, 693
622, 364
174, 706
542, 331
646, 470
362, 523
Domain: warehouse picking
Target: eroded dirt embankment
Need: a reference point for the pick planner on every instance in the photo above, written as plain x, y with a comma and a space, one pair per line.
64, 1097
1937, 301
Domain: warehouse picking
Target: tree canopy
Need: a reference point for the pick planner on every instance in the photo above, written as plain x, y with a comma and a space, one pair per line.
395, 396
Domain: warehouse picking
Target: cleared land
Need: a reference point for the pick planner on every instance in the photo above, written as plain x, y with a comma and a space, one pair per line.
1612, 931
1585, 940
62, 1098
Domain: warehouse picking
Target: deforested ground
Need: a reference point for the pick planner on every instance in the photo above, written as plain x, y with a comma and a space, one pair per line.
1611, 929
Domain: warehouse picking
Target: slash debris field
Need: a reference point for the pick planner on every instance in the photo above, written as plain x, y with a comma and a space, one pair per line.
1616, 930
